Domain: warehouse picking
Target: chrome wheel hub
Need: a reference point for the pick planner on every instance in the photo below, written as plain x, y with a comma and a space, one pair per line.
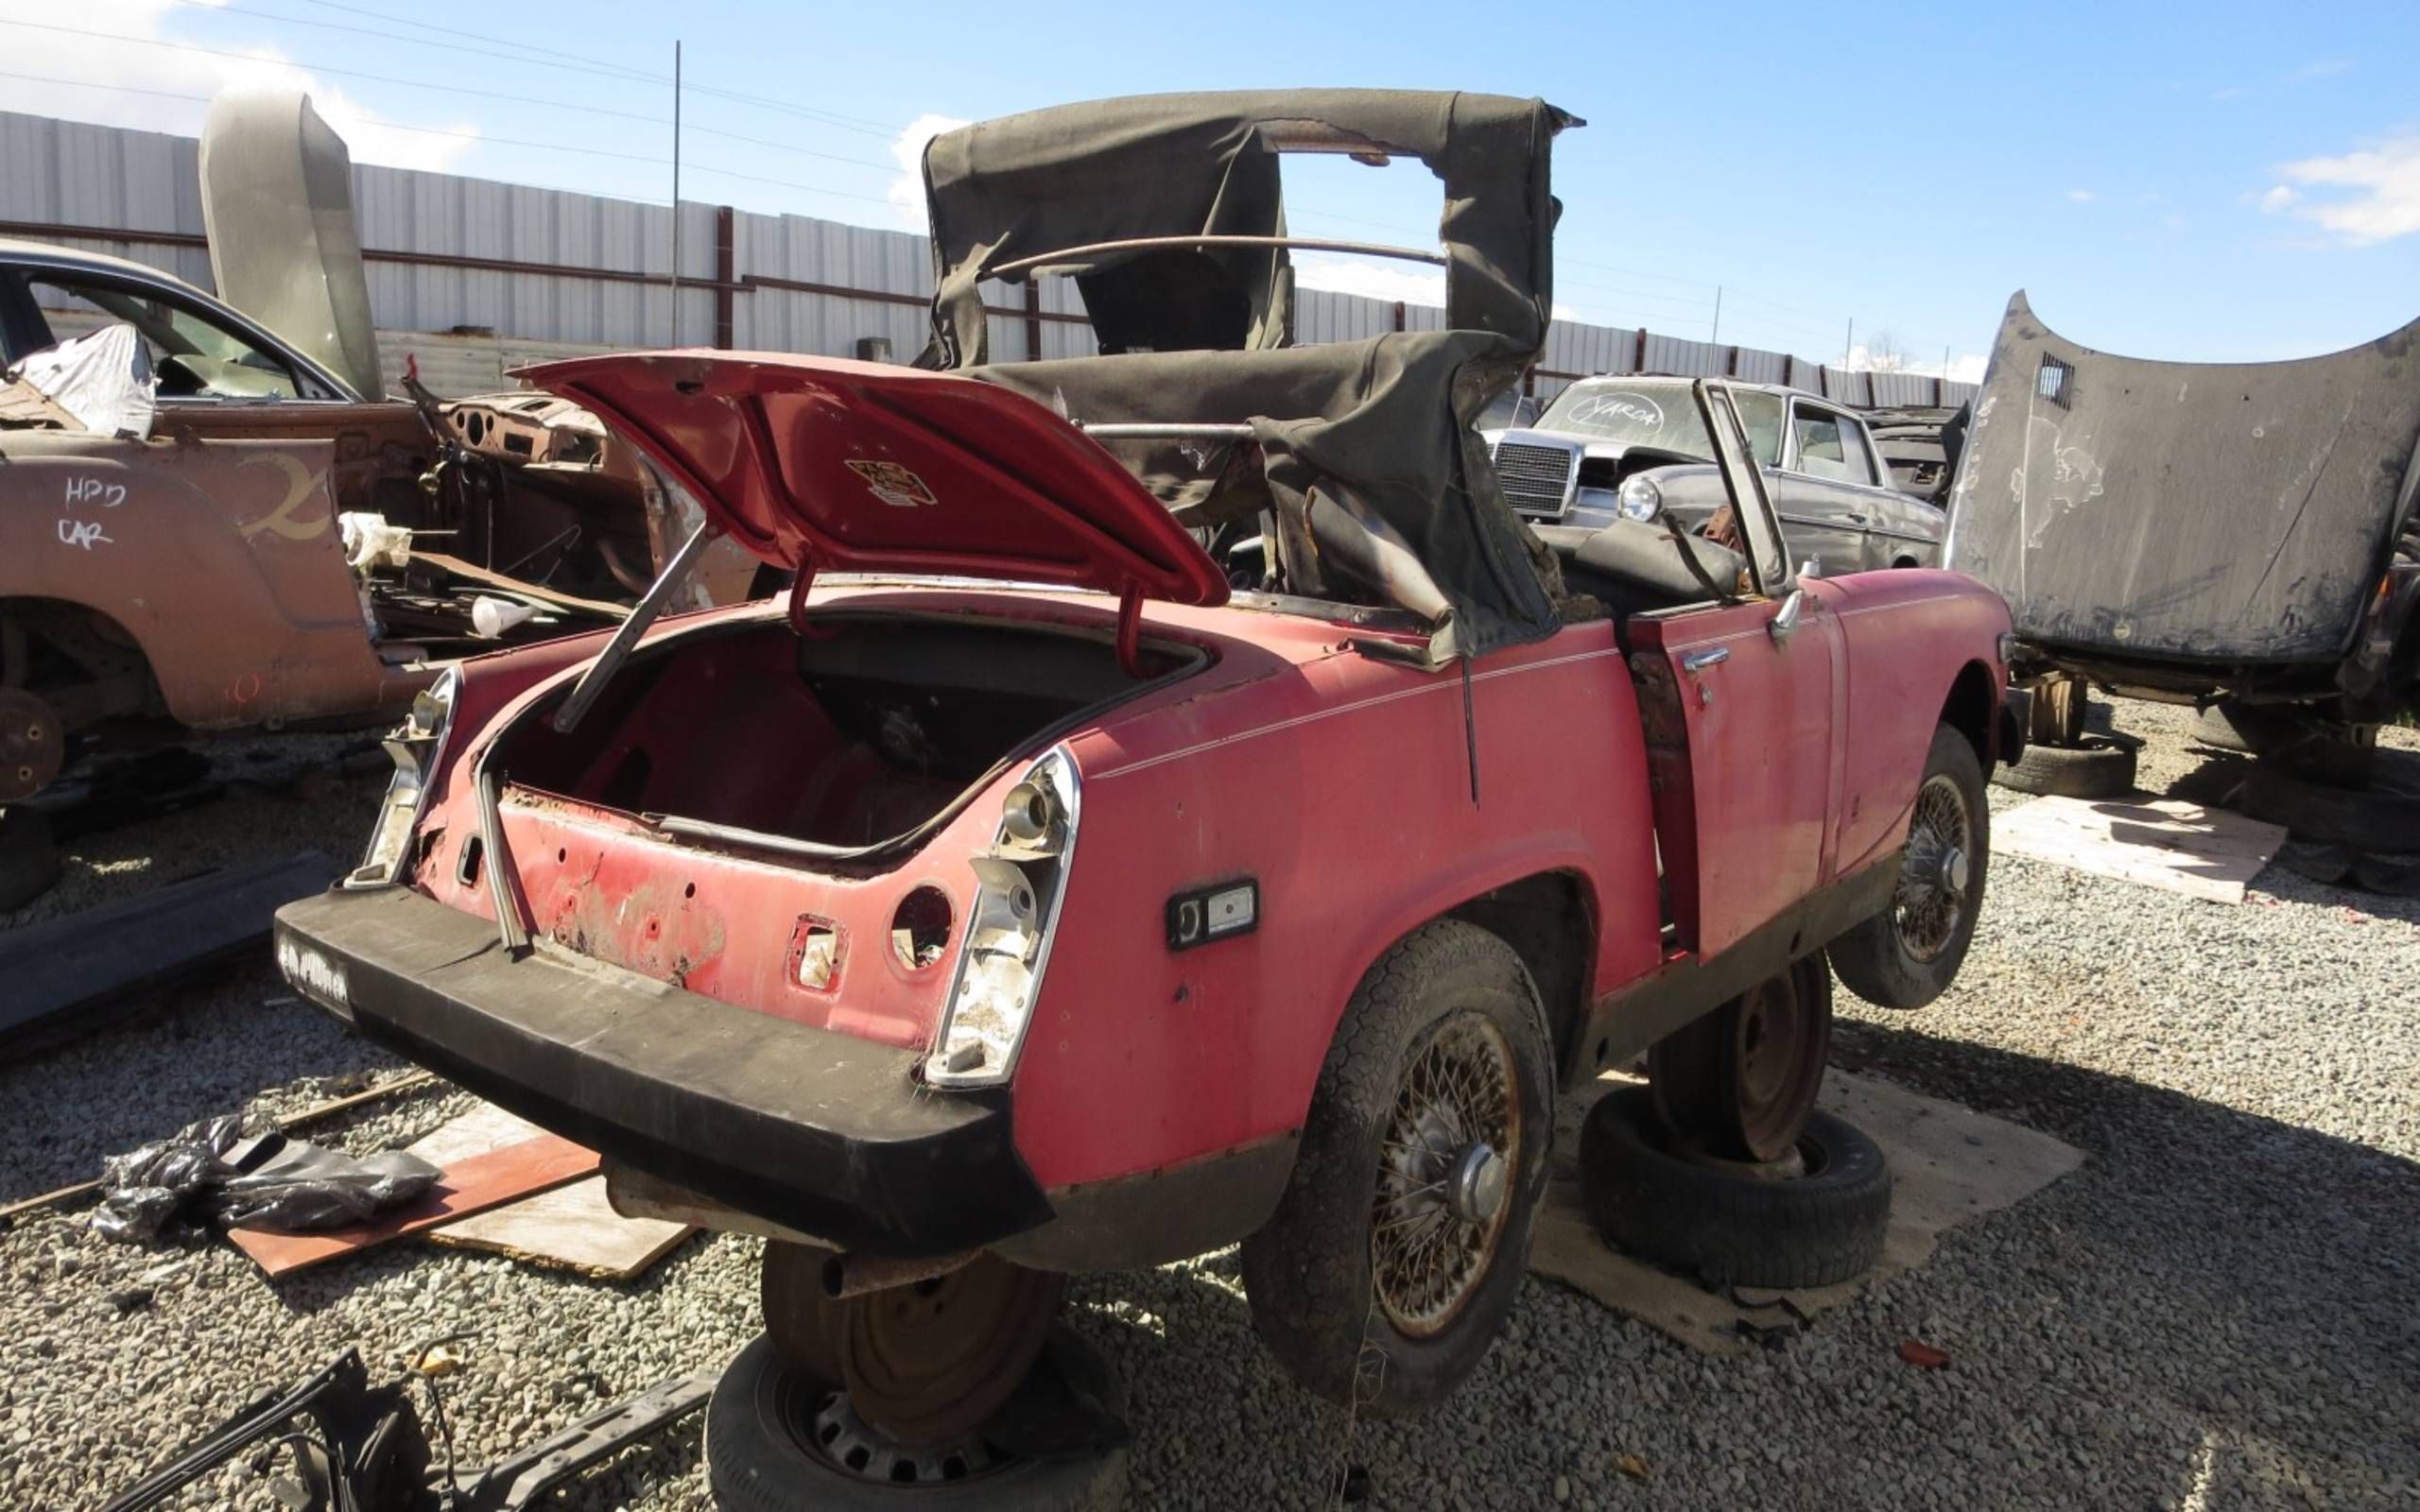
1448, 1156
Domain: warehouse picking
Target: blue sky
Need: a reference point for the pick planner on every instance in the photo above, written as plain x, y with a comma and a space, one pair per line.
2227, 182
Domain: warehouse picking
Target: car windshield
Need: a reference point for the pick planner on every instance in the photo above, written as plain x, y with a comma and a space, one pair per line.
1662, 415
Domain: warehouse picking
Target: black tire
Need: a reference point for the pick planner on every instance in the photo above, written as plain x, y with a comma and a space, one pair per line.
1728, 1228
28, 857
1311, 1272
2383, 815
1886, 960
2100, 767
761, 1455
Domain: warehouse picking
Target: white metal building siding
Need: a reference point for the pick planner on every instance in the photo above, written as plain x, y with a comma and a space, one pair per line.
57, 172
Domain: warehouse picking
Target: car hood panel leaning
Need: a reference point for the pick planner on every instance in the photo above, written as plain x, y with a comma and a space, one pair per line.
833, 465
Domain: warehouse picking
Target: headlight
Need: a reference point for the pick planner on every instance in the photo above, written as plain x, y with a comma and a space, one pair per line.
1641, 500
414, 747
1019, 883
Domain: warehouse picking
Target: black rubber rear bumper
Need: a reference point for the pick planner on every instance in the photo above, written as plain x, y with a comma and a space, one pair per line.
821, 1132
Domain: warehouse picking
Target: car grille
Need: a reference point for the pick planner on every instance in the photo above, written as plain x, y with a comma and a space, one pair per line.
1536, 479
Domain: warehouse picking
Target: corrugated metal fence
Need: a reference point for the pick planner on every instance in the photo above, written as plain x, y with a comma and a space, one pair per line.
474, 276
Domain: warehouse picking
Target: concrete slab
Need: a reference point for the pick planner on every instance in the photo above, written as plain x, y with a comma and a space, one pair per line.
1948, 1165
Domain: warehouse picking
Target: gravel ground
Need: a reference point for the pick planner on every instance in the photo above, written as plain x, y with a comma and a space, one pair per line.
2215, 1312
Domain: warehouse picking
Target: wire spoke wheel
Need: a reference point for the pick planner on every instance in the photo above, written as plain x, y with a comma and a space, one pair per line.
1931, 901
1447, 1158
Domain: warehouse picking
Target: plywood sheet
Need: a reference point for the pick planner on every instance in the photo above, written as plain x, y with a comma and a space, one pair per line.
473, 1185
1948, 1165
573, 1227
2163, 843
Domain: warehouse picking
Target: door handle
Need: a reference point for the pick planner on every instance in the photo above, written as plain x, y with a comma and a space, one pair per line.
1853, 519
1699, 661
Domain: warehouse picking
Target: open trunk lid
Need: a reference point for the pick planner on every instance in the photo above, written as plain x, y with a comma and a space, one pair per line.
824, 464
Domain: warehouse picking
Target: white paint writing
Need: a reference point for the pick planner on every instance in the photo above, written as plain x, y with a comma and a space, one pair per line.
99, 491
313, 975
83, 532
1637, 408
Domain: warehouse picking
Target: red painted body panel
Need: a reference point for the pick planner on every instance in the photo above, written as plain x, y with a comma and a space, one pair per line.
1340, 781
1907, 635
1746, 813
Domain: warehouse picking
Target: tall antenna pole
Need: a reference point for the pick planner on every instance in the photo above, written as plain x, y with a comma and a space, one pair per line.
1848, 345
1714, 337
676, 194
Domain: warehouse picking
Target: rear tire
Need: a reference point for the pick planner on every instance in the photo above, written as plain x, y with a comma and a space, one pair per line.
1909, 954
763, 1453
2100, 768
1728, 1228
1331, 1285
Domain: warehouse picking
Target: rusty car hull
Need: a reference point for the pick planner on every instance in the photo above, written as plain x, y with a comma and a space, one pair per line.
2189, 528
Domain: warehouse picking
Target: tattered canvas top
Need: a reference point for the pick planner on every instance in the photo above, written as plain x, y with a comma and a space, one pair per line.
1200, 335
2233, 510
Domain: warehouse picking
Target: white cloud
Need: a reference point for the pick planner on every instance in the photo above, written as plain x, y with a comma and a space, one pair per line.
181, 84
2325, 68
2381, 192
2231, 94
1347, 275
2082, 196
1965, 367
906, 192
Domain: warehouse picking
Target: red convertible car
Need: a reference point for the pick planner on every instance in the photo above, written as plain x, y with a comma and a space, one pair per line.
1177, 803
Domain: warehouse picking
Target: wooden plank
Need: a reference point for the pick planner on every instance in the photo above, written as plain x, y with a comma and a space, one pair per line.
475, 1185
573, 1227
2163, 843
66, 977
472, 571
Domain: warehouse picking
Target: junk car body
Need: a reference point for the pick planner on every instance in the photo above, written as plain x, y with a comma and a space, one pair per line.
1633, 448
1021, 885
2197, 531
262, 539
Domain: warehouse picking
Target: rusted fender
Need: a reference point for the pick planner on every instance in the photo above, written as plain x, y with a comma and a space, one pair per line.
219, 558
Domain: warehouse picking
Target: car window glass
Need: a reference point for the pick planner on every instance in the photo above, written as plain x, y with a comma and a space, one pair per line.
1856, 456
1818, 435
195, 357
1661, 415
1760, 416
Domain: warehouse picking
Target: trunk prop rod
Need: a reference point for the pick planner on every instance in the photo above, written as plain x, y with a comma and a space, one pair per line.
591, 683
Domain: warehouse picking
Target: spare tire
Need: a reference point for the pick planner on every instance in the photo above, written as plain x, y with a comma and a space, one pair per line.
2100, 767
2383, 815
773, 1445
1727, 1227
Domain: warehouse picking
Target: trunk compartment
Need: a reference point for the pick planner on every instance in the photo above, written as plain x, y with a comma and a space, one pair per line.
862, 733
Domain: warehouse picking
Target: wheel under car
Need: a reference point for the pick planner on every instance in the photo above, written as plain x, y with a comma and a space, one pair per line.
1721, 1168
1906, 954
959, 1388
1396, 1252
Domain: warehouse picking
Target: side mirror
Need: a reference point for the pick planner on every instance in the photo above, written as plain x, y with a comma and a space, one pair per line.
1785, 620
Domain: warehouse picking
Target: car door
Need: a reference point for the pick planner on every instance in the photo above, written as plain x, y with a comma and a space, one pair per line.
1825, 518
1896, 528
1741, 703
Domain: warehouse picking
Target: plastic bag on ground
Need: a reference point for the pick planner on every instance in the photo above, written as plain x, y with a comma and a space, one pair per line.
211, 1170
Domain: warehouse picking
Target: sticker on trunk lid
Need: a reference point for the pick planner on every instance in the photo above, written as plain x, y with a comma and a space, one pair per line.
894, 484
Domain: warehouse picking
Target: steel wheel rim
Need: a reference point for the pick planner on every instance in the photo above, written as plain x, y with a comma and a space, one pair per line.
1429, 1249
1930, 902
1781, 1053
